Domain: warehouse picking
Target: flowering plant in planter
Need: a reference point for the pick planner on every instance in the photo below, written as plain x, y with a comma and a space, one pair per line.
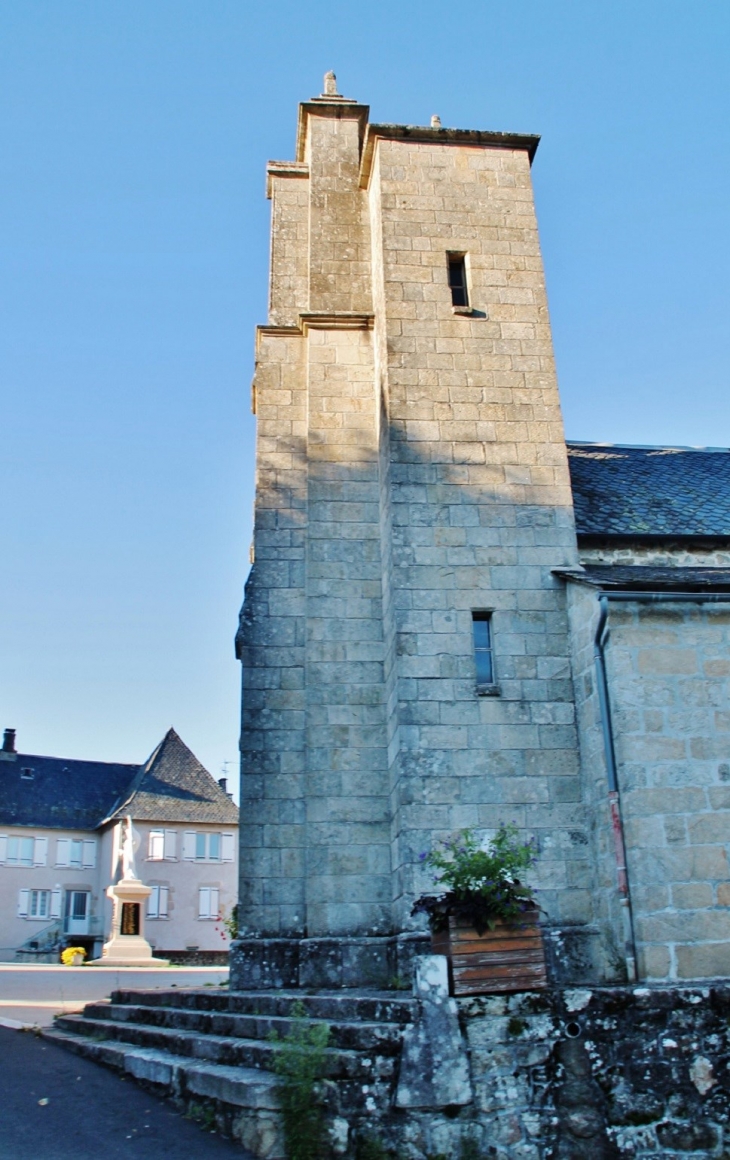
72, 956
481, 881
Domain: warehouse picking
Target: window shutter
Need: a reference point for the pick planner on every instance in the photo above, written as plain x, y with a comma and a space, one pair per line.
227, 848
89, 853
214, 902
23, 903
153, 902
203, 902
56, 902
189, 846
40, 852
170, 845
3, 847
164, 892
62, 851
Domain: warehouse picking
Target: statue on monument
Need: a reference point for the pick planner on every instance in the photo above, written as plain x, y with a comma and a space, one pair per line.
127, 855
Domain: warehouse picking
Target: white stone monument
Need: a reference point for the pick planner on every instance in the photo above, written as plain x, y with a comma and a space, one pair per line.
127, 946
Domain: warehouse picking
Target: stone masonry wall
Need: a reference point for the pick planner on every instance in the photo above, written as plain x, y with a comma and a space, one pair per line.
668, 673
669, 670
667, 555
481, 513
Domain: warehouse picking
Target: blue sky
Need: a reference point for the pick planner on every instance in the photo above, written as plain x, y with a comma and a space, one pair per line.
133, 259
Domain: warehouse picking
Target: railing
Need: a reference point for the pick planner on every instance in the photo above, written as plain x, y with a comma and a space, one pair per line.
44, 941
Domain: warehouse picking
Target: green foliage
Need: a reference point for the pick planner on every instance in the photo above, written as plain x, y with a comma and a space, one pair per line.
516, 1026
300, 1064
203, 1114
230, 921
481, 882
371, 1148
469, 1149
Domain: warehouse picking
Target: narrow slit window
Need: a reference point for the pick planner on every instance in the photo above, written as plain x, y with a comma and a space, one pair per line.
482, 630
457, 280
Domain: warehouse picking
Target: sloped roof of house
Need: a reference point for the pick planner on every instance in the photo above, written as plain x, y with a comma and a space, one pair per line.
174, 787
63, 793
638, 492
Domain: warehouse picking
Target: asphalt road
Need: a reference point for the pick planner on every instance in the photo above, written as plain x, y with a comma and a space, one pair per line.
57, 1106
31, 994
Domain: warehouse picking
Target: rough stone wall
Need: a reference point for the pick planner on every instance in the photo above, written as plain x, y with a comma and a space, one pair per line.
605, 1073
481, 513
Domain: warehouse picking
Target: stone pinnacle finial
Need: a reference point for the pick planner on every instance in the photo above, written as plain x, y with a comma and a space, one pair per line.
435, 121
330, 85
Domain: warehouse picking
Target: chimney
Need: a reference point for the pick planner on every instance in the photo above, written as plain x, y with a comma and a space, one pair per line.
223, 782
9, 741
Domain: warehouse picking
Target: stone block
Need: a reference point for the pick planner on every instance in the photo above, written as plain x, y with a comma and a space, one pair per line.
704, 960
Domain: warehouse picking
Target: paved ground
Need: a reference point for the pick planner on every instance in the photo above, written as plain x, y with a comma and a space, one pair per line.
31, 994
56, 1106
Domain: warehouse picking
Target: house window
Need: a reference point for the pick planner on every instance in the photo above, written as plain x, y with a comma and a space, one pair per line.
457, 279
156, 847
484, 660
39, 904
22, 851
161, 845
203, 846
79, 853
157, 903
208, 902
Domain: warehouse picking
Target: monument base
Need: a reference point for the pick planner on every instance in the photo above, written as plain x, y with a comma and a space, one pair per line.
127, 946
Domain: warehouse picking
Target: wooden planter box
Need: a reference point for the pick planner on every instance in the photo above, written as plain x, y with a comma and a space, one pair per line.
508, 958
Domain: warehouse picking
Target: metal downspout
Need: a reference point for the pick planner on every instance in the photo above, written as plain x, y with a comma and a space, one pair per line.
614, 800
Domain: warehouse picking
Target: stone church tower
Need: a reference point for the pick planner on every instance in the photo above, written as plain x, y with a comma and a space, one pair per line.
404, 640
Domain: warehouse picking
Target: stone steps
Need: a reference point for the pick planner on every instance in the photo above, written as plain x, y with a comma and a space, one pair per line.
227, 1050
333, 1006
384, 1038
213, 1050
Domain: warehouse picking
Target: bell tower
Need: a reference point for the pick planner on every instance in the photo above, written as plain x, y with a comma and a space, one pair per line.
405, 651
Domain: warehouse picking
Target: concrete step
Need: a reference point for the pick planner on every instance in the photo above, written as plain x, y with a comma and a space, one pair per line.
333, 1006
227, 1051
383, 1038
249, 1095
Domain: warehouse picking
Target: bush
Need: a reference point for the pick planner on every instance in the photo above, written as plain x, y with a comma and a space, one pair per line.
300, 1064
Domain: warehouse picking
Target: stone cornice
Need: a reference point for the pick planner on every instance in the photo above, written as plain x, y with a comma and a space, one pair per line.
276, 332
314, 320
337, 320
479, 137
284, 169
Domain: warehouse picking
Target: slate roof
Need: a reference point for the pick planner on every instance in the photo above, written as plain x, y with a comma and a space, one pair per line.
645, 578
62, 794
172, 786
637, 492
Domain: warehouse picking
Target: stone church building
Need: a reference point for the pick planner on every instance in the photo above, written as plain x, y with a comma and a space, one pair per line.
453, 617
